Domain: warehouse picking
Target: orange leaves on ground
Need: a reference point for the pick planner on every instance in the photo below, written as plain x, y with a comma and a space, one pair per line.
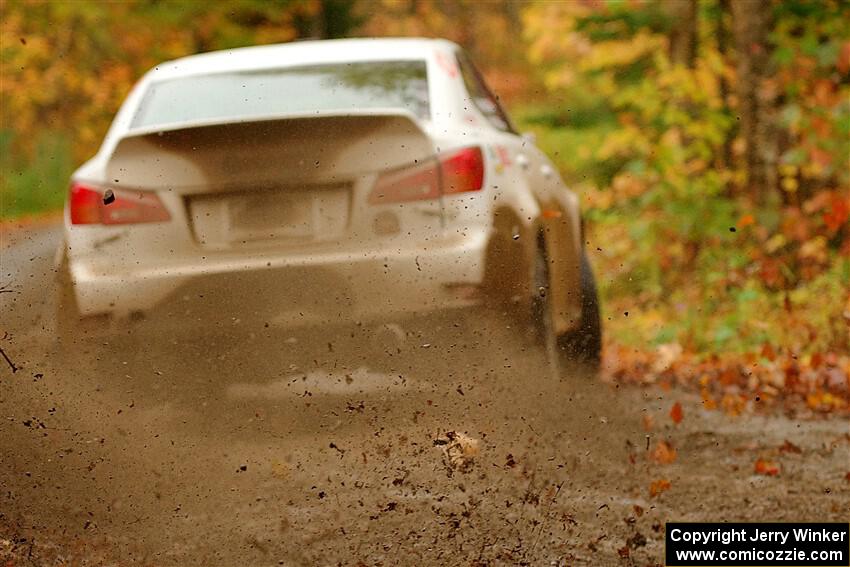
663, 453
825, 401
676, 413
729, 376
648, 422
733, 404
708, 401
658, 486
766, 467
768, 352
736, 383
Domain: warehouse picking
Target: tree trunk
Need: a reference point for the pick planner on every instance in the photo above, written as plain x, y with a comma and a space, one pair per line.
318, 25
752, 22
683, 34
724, 42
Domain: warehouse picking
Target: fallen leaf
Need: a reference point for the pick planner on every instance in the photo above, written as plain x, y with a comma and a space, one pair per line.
788, 447
708, 401
658, 486
676, 413
663, 453
460, 450
768, 352
766, 468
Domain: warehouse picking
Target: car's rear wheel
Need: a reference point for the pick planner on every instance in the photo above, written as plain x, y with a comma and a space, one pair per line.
511, 281
584, 343
541, 304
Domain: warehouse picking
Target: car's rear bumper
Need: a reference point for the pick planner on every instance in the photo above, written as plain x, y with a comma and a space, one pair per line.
291, 289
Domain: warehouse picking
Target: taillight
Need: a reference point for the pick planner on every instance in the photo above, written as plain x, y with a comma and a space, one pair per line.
463, 171
458, 172
129, 207
85, 205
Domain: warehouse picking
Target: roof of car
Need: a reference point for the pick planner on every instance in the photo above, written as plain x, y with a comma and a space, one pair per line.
298, 53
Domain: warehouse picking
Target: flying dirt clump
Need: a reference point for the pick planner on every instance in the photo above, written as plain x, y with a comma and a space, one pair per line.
459, 451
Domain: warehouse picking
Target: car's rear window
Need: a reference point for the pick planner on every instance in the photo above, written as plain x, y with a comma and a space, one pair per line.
251, 94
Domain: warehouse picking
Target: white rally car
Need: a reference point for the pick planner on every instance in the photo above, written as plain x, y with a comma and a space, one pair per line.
323, 181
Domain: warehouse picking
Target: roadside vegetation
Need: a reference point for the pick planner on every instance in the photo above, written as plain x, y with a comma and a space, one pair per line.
710, 147
708, 141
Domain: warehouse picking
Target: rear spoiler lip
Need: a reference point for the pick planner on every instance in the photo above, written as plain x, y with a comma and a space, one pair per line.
217, 135
213, 123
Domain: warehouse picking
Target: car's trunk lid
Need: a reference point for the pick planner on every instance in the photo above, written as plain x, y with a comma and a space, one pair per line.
282, 181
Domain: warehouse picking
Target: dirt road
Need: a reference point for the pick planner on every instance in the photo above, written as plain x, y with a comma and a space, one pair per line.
321, 447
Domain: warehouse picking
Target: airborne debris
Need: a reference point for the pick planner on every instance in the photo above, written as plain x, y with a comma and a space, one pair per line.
676, 413
9, 361
34, 423
459, 451
788, 447
636, 541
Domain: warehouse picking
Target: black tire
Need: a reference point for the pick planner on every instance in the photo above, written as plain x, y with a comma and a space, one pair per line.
584, 344
541, 304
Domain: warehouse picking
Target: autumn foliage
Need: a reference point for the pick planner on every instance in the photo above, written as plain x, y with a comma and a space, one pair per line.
721, 270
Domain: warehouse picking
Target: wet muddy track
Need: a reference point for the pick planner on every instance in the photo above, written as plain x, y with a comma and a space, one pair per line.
329, 446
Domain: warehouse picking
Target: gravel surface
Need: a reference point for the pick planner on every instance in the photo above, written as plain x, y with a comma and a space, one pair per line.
444, 441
